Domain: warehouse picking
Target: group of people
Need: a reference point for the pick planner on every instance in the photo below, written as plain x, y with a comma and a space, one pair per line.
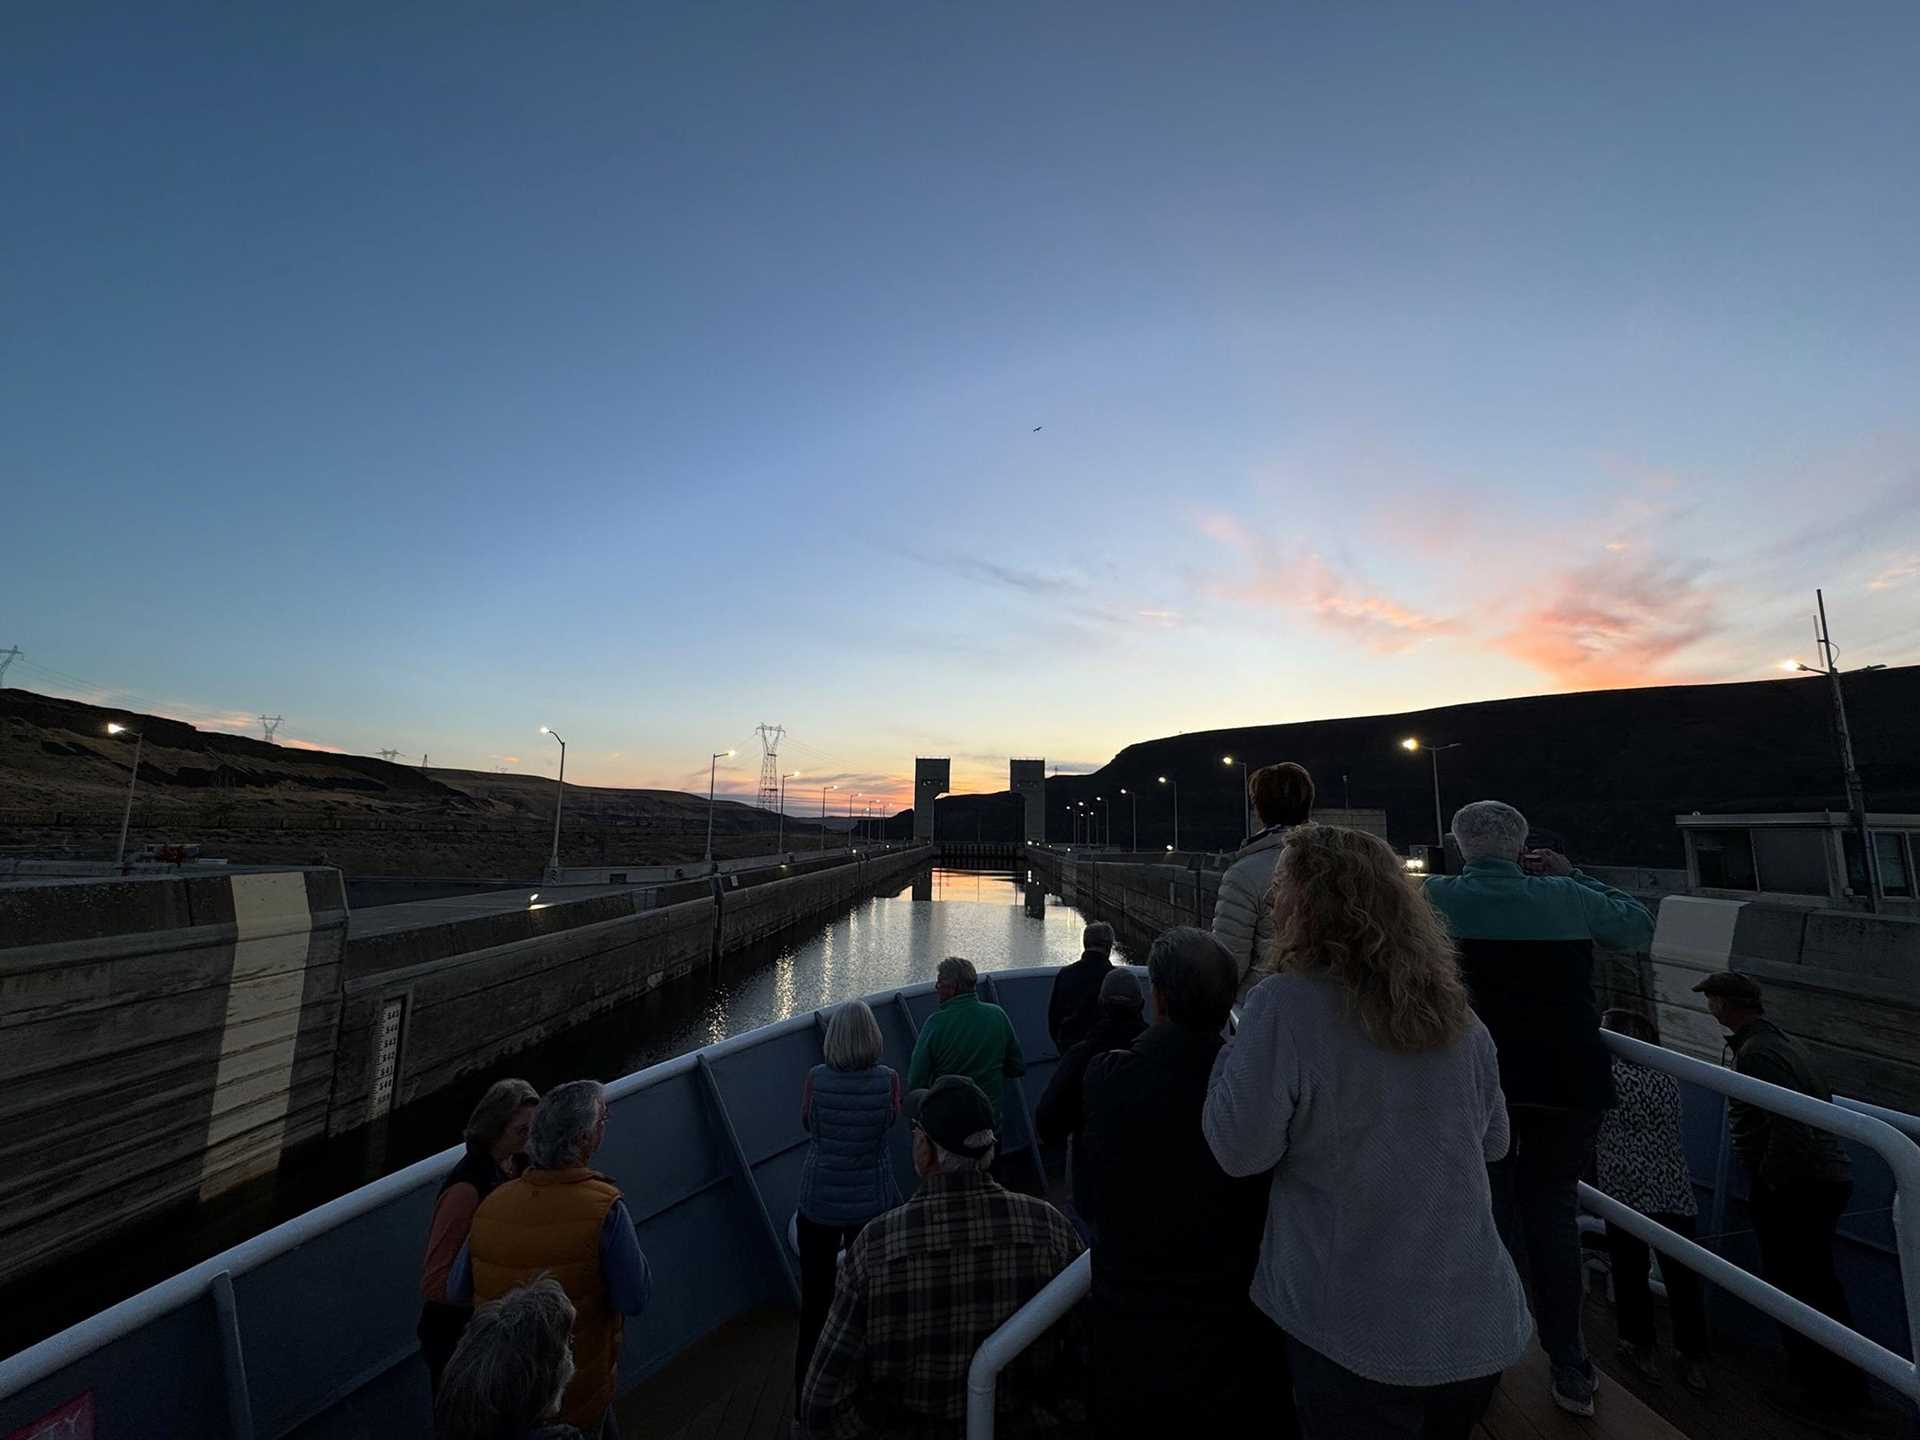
1349, 1218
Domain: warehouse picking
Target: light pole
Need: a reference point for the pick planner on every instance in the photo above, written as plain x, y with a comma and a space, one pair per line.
126, 818
713, 763
1106, 820
780, 845
1133, 796
852, 795
1413, 743
1246, 796
1176, 811
559, 799
823, 814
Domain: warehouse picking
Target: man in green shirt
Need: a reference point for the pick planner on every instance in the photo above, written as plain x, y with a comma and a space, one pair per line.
966, 1036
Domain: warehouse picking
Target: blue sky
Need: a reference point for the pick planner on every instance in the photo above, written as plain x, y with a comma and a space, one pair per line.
426, 373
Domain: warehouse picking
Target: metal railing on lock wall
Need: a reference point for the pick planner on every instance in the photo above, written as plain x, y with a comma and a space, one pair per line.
1884, 1131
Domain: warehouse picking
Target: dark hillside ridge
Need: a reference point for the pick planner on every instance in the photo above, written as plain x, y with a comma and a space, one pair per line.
1605, 770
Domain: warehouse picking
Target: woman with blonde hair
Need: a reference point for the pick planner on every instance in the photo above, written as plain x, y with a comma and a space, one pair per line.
848, 1105
496, 1137
1361, 1078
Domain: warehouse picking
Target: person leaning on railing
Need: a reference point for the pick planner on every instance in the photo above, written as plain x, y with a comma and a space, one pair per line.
496, 1137
1800, 1179
847, 1105
1526, 923
1640, 1162
1362, 1079
505, 1379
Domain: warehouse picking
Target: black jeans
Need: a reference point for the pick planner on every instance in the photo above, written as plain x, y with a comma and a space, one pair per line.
1795, 1225
1633, 1301
1335, 1404
1537, 1212
820, 1247
440, 1329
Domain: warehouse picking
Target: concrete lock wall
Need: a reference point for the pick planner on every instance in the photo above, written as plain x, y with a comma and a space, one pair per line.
167, 1037
425, 1007
161, 1038
1028, 780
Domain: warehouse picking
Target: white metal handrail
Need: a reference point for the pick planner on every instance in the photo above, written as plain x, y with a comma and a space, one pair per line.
1900, 1153
1021, 1329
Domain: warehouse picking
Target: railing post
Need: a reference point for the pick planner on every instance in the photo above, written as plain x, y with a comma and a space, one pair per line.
743, 1171
233, 1358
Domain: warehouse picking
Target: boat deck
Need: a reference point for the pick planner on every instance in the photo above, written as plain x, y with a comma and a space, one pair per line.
737, 1384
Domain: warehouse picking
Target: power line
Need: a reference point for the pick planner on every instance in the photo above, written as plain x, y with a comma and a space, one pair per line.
389, 755
770, 737
269, 724
7, 657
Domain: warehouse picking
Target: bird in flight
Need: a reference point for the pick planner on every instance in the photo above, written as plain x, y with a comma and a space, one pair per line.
1037, 429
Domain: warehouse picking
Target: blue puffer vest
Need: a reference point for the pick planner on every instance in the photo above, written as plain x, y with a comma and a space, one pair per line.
848, 1178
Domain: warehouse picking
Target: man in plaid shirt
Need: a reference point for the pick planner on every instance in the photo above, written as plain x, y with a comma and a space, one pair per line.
925, 1284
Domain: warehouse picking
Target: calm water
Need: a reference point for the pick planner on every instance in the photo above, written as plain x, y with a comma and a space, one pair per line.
893, 939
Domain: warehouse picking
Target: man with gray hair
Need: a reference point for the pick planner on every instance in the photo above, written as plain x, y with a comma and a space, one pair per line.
966, 1036
565, 1218
1073, 1003
1526, 922
925, 1284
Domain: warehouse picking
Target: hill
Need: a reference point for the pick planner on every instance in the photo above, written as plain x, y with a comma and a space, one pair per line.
1607, 770
249, 800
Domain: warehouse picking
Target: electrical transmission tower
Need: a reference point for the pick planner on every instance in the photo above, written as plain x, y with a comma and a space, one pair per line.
269, 724
390, 755
770, 738
7, 657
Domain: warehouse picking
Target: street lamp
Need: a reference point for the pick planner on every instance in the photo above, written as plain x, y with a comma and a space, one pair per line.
852, 795
780, 845
713, 763
126, 818
1413, 744
1134, 797
559, 799
1106, 820
823, 814
1246, 795
1176, 811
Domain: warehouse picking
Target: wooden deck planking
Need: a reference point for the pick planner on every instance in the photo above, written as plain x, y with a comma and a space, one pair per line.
1523, 1409
736, 1384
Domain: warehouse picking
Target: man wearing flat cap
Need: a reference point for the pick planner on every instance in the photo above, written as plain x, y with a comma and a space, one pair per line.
924, 1285
1800, 1179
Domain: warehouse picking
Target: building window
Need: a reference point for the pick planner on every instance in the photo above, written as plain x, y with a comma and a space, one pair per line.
1891, 849
1724, 858
1792, 862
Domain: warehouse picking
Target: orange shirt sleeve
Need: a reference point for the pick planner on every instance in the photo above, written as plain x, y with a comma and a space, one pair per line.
452, 1219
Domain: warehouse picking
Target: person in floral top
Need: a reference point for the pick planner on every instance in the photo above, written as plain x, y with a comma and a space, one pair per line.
1642, 1164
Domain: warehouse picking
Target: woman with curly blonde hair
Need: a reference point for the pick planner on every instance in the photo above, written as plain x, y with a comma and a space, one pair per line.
1361, 1078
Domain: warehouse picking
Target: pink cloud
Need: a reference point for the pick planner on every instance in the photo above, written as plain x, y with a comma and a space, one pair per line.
1309, 584
1897, 572
1613, 624
309, 745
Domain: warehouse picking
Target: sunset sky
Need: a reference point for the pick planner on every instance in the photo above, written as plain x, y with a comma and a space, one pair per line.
428, 373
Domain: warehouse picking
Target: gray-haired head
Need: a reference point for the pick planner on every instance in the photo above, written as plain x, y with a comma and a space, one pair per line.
511, 1367
1195, 977
1489, 830
1121, 990
567, 1119
1097, 936
957, 974
496, 1109
853, 1038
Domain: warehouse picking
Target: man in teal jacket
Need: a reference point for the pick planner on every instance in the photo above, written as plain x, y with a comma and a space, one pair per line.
966, 1036
1526, 923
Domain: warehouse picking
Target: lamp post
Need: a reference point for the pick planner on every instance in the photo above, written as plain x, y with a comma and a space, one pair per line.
1106, 820
1133, 797
1413, 743
559, 799
823, 814
781, 844
1176, 811
1246, 796
126, 817
1856, 792
713, 763
852, 795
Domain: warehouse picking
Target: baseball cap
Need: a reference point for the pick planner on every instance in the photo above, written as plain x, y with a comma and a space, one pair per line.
1734, 987
956, 1115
